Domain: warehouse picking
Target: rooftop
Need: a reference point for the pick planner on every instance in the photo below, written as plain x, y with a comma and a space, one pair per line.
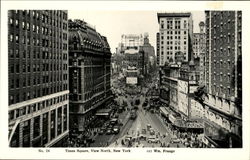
173, 14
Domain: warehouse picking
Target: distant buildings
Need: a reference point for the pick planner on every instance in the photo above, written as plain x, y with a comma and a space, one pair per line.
223, 78
175, 34
38, 78
89, 75
137, 55
199, 41
149, 55
199, 48
131, 40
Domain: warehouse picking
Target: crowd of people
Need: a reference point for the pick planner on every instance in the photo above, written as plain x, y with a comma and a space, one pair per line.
186, 139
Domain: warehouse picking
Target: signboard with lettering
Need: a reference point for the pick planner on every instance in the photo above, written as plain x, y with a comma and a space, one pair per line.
131, 80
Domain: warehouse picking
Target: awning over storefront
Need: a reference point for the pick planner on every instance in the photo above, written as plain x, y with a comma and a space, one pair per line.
164, 111
103, 112
194, 125
172, 118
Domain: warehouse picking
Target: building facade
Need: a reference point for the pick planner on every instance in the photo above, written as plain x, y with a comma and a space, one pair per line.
131, 40
89, 72
158, 48
199, 48
136, 52
175, 35
223, 78
38, 77
178, 82
149, 55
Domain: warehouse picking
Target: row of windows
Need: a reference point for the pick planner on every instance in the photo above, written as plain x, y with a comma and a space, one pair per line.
16, 68
37, 42
52, 20
17, 97
13, 114
222, 77
37, 13
35, 28
36, 54
26, 128
222, 90
16, 83
176, 26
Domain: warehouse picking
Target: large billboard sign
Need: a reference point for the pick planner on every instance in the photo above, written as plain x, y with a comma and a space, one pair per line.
131, 80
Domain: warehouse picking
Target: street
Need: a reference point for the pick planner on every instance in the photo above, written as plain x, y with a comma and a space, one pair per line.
130, 134
137, 121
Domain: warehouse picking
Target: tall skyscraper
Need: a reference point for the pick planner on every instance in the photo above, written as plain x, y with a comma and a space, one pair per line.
223, 75
38, 77
89, 70
175, 34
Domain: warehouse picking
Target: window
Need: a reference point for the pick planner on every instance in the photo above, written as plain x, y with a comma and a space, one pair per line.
23, 40
228, 91
28, 95
28, 26
11, 53
17, 83
17, 23
11, 37
17, 68
185, 24
33, 13
12, 68
28, 66
228, 78
34, 28
17, 39
17, 53
23, 25
162, 26
11, 21
228, 51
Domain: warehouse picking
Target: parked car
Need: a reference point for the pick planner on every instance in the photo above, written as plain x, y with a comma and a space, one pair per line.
153, 139
148, 126
109, 131
102, 131
114, 121
116, 129
152, 131
175, 140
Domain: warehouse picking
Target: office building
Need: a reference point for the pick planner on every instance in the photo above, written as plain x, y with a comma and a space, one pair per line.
223, 79
38, 78
89, 72
175, 36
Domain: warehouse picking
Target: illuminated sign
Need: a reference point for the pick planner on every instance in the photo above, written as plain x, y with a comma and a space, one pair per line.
131, 80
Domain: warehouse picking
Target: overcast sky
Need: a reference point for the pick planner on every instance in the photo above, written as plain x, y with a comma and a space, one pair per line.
113, 24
